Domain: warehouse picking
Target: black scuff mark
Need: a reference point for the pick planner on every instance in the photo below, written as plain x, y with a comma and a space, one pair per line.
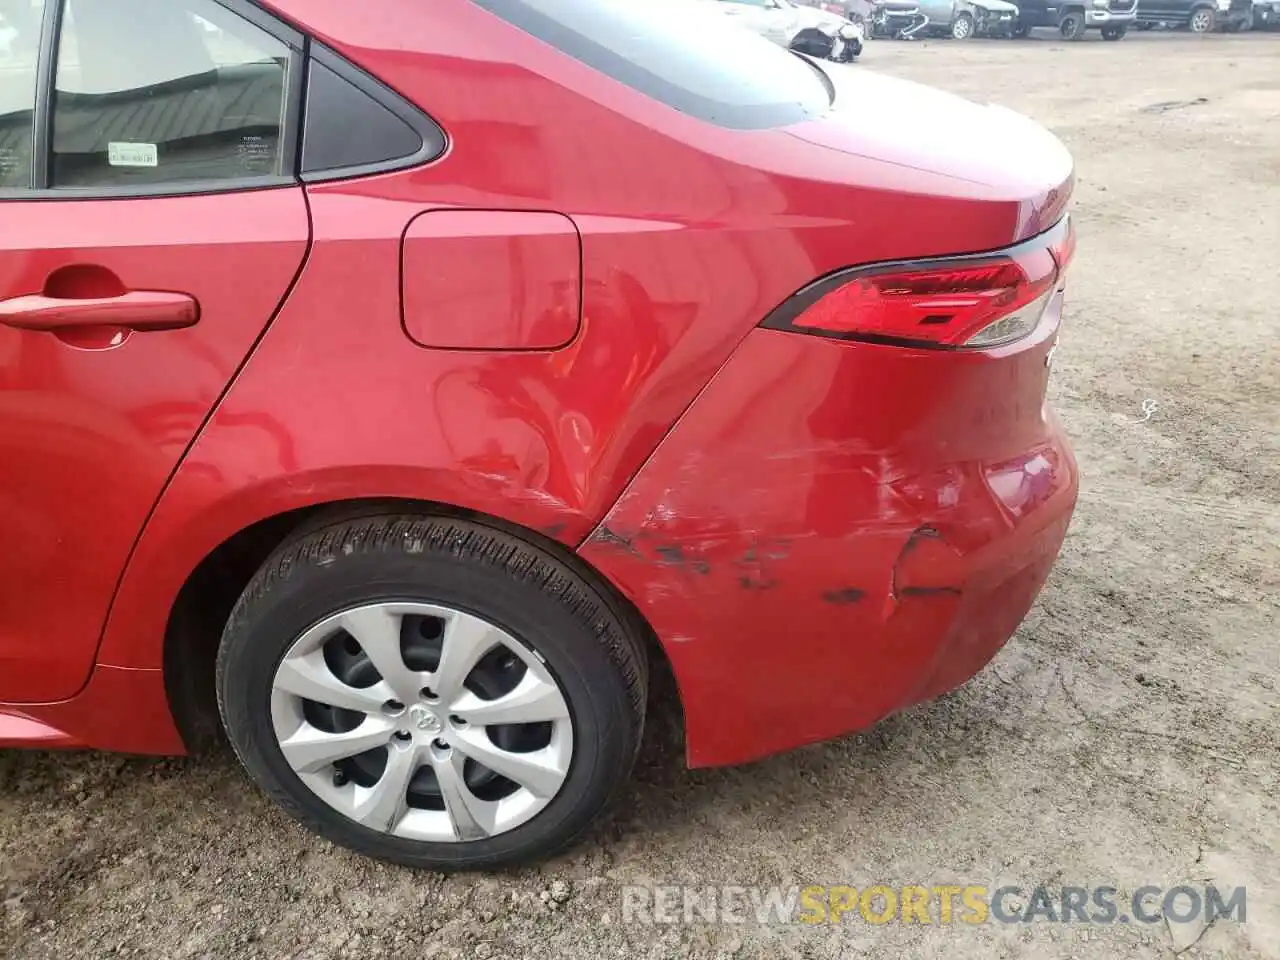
670, 554
673, 555
844, 596
928, 591
554, 531
756, 576
913, 541
614, 539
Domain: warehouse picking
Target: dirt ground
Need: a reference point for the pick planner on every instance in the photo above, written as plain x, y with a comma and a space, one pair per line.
1127, 736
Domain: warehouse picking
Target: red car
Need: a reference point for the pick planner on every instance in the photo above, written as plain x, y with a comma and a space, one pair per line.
392, 385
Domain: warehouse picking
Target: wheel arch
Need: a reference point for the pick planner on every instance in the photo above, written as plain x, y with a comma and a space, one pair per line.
199, 612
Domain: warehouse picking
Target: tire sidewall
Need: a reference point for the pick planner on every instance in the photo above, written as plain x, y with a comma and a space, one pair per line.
596, 694
964, 18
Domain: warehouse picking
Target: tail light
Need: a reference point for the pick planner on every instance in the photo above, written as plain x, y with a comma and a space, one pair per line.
951, 303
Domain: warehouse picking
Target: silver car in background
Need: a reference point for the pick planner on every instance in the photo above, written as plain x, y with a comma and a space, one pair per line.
962, 19
807, 30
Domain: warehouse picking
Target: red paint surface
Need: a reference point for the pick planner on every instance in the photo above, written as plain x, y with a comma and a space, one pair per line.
761, 536
119, 709
834, 532
89, 437
492, 280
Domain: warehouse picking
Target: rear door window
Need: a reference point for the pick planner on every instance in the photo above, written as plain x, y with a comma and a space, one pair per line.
19, 54
684, 53
166, 91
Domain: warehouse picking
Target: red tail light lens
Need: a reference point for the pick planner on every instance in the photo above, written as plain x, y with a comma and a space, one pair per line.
958, 302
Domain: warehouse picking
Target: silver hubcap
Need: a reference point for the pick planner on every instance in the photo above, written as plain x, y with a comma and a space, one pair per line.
961, 29
422, 722
1200, 22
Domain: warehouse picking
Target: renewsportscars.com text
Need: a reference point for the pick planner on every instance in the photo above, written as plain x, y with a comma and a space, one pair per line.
939, 904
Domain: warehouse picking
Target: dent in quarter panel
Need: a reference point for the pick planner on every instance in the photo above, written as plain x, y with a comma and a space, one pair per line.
492, 280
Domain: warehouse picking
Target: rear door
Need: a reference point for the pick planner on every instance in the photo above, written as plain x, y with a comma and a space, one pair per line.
150, 227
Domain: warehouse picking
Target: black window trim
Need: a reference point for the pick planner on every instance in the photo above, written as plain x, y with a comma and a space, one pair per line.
435, 141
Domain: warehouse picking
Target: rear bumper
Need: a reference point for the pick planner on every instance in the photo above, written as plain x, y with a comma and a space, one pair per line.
837, 531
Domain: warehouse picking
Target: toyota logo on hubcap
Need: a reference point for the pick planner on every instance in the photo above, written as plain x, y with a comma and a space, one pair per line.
424, 719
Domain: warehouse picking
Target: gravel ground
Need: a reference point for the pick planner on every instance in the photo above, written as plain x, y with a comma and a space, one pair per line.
1127, 736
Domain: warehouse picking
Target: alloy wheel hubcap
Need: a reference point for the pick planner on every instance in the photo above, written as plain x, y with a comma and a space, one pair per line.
422, 722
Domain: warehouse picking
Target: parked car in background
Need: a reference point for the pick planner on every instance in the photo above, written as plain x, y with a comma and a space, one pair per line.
898, 19
809, 30
392, 393
858, 11
1073, 18
1198, 16
962, 19
1266, 14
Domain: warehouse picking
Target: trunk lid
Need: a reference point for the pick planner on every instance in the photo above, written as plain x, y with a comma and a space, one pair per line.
985, 151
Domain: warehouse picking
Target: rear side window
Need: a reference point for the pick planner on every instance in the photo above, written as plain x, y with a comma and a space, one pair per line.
19, 54
681, 52
355, 125
166, 91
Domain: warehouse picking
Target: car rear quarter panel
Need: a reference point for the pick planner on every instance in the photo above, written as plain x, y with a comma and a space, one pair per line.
690, 235
835, 531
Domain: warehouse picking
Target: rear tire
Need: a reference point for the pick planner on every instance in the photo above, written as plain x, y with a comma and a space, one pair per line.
1113, 32
466, 585
962, 27
1020, 30
1072, 25
1203, 20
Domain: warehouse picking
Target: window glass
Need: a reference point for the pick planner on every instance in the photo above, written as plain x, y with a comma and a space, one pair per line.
685, 53
165, 91
19, 51
347, 129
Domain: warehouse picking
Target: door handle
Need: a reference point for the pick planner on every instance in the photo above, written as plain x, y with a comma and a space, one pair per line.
135, 310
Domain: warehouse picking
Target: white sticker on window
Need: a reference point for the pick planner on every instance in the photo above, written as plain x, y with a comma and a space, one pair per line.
132, 155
